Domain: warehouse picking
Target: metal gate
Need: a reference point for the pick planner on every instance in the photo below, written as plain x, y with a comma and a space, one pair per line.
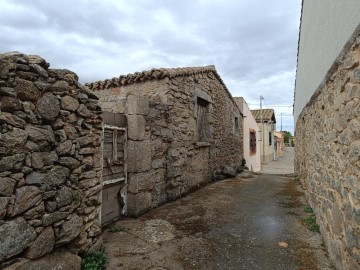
114, 193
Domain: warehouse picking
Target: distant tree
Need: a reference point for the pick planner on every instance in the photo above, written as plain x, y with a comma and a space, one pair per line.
287, 136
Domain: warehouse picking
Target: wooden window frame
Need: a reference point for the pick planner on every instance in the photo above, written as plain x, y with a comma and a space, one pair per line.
252, 144
201, 122
114, 156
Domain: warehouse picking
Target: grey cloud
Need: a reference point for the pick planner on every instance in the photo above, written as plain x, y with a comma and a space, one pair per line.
249, 41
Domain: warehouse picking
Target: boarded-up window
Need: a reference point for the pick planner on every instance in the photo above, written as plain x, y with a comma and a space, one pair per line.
252, 142
113, 165
202, 109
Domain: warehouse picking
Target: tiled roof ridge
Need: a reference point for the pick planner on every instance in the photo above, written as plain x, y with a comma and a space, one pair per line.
153, 74
262, 110
266, 113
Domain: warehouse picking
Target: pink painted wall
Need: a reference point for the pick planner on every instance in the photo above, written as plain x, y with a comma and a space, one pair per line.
249, 123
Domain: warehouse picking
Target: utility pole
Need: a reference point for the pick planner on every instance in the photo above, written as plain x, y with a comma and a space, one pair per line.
262, 129
281, 122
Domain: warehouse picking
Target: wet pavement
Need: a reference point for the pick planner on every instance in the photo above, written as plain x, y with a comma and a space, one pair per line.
247, 222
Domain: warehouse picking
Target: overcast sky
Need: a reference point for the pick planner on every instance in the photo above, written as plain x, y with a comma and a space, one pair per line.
252, 43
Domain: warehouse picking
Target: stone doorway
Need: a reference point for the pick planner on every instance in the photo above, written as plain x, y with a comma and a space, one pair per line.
114, 193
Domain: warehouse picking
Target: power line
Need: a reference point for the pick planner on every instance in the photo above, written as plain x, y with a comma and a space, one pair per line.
285, 106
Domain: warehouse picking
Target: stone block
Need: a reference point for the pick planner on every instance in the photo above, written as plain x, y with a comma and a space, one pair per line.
69, 230
10, 104
69, 162
15, 236
4, 201
14, 162
69, 103
37, 134
48, 106
139, 156
11, 119
49, 219
141, 181
137, 105
35, 212
53, 178
26, 90
41, 159
7, 186
64, 196
138, 204
136, 127
42, 245
56, 260
26, 197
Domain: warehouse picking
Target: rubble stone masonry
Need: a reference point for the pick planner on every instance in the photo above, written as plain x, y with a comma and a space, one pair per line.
50, 163
166, 159
328, 157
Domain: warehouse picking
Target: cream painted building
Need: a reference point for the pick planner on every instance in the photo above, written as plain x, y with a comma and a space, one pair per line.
279, 144
327, 117
267, 123
251, 136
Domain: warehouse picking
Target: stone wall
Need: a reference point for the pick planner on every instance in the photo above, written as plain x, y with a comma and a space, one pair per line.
50, 162
328, 157
165, 158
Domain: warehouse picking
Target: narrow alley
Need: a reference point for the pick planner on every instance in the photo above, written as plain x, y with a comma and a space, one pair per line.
253, 221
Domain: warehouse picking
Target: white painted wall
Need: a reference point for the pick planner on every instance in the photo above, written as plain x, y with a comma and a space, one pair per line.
252, 161
269, 148
325, 28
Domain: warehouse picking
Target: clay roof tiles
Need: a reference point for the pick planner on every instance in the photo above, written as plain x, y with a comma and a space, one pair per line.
267, 115
153, 74
156, 74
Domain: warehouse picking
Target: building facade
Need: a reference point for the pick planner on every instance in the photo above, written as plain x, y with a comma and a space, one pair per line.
183, 130
251, 136
267, 124
327, 133
279, 146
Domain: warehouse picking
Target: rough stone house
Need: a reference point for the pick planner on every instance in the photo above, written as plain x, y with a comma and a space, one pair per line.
50, 165
267, 123
251, 136
183, 130
327, 116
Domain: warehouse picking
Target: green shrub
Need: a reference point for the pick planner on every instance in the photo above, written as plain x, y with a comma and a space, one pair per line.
94, 260
311, 223
308, 209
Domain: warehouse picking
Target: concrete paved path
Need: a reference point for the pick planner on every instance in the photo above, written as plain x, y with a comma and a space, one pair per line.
239, 223
284, 165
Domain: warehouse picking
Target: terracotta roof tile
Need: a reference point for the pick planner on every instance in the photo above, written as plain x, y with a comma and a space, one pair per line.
157, 74
153, 74
267, 114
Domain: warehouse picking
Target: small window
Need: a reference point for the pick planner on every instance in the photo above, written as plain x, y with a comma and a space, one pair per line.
252, 142
236, 124
270, 139
202, 109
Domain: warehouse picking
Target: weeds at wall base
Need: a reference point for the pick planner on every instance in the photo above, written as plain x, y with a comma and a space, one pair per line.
308, 209
94, 260
310, 222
